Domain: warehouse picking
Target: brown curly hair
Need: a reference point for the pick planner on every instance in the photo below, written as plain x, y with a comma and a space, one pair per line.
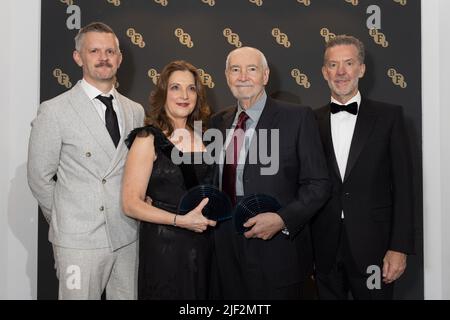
158, 115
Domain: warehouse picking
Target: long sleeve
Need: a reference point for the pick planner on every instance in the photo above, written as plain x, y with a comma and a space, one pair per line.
402, 233
313, 182
43, 157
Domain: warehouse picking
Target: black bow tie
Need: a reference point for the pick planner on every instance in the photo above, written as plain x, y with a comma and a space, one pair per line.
350, 108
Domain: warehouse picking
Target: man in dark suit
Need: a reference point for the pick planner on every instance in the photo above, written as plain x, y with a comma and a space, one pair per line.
266, 261
363, 234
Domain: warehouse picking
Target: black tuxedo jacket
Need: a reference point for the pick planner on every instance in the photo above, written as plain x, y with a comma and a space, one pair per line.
301, 186
375, 194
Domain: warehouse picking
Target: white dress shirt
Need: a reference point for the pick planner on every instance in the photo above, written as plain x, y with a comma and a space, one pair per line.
92, 92
342, 127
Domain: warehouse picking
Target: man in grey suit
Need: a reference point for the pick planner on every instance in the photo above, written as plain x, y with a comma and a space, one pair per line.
79, 137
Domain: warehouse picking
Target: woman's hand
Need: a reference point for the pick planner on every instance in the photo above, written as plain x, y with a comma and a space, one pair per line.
194, 220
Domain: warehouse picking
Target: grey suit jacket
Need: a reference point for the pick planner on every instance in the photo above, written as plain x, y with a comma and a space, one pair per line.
68, 139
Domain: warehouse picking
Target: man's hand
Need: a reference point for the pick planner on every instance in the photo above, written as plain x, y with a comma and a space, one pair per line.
394, 264
264, 226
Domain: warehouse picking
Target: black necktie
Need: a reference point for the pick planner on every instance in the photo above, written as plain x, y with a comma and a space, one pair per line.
111, 118
231, 158
350, 108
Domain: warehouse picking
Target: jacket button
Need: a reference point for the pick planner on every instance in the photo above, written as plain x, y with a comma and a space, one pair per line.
347, 194
88, 154
104, 181
102, 208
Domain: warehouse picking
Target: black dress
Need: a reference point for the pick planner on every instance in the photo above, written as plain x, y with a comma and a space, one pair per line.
174, 263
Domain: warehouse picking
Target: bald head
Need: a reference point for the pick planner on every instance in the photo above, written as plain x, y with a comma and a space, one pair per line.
247, 73
247, 50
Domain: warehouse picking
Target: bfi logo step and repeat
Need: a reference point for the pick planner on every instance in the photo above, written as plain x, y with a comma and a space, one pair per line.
282, 38
291, 33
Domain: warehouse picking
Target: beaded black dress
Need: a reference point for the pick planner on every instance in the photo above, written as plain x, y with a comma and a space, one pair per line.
174, 263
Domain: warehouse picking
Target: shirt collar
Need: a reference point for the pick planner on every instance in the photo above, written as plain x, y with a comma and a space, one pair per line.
254, 112
92, 92
356, 98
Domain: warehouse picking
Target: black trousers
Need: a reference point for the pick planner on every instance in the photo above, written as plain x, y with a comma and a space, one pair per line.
345, 281
237, 272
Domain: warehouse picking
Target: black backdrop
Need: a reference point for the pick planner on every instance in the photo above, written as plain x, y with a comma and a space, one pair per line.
291, 33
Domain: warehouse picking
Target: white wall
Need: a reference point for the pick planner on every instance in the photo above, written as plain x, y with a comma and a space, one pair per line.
444, 82
436, 147
19, 92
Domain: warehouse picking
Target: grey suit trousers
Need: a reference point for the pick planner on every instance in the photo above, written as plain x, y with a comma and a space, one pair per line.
86, 273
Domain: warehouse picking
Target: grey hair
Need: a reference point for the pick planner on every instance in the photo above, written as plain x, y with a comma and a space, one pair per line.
263, 57
344, 39
93, 27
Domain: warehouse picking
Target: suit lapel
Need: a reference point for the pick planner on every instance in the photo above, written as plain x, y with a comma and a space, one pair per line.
227, 121
327, 139
268, 120
223, 123
269, 116
363, 128
82, 105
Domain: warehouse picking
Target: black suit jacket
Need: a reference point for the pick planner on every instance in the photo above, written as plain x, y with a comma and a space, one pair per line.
301, 185
375, 194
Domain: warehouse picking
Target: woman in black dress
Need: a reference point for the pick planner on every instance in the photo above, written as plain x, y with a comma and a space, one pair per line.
175, 251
